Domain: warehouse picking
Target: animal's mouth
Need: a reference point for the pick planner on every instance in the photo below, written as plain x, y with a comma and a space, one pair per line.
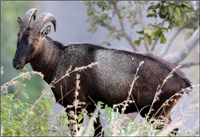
18, 65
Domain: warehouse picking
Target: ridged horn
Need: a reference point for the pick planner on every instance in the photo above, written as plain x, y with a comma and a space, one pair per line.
42, 19
28, 16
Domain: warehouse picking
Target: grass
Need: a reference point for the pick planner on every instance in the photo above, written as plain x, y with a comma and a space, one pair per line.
37, 119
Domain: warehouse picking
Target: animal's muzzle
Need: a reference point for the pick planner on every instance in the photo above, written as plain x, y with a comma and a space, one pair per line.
16, 64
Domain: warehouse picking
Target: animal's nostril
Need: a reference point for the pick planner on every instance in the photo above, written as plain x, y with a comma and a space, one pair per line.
16, 63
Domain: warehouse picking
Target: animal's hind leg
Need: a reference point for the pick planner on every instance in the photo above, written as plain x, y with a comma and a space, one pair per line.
97, 124
166, 118
175, 130
165, 111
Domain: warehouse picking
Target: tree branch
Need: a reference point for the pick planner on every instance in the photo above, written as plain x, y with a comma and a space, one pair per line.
155, 43
182, 54
186, 65
171, 39
143, 26
122, 26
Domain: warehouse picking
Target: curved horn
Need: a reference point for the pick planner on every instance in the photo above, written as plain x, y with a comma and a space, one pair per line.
28, 16
42, 19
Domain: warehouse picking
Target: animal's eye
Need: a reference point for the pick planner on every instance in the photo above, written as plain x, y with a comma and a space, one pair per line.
35, 41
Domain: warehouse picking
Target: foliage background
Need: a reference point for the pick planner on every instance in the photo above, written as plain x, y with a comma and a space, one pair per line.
72, 27
9, 29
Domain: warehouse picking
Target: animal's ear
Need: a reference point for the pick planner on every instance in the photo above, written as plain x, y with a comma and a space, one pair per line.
19, 22
46, 31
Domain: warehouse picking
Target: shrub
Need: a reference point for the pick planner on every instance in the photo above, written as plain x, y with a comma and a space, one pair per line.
23, 119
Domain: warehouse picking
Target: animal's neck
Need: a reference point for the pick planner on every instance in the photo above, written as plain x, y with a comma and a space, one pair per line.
45, 60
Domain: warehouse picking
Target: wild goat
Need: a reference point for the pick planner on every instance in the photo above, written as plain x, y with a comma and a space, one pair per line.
109, 81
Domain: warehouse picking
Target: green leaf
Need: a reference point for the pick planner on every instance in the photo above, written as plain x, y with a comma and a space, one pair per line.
152, 15
108, 44
164, 29
178, 12
148, 32
48, 103
137, 42
140, 32
149, 25
171, 12
165, 10
154, 36
100, 104
163, 40
105, 42
150, 40
117, 37
15, 106
108, 110
42, 128
170, 26
51, 111
80, 118
67, 121
154, 6
178, 3
25, 95
161, 15
157, 6
186, 5
151, 7
162, 7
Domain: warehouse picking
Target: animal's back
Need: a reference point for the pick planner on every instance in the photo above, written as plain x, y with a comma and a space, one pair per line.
109, 81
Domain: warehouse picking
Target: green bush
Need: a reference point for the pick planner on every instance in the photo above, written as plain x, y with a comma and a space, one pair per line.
23, 119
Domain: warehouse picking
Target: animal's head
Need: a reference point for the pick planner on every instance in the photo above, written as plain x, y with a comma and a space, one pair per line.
31, 38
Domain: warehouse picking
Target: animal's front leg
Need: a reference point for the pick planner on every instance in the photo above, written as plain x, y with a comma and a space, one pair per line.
98, 127
97, 123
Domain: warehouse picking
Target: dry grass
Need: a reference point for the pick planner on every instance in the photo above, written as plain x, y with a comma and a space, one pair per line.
12, 82
159, 91
116, 126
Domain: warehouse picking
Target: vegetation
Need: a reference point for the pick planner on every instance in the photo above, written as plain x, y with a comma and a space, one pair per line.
9, 29
21, 115
120, 17
24, 119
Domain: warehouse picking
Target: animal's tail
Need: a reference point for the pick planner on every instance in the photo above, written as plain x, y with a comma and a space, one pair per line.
188, 86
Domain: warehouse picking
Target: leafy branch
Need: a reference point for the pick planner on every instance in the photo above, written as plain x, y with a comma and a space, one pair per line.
174, 13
